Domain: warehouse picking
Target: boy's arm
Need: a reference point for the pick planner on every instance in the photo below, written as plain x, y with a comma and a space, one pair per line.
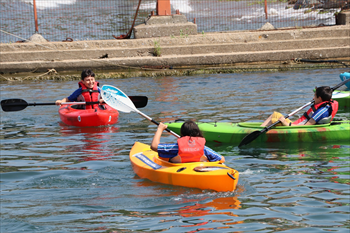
311, 122
213, 156
59, 102
157, 135
318, 115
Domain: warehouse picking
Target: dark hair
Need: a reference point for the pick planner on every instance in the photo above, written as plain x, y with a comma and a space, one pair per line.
324, 92
87, 73
190, 128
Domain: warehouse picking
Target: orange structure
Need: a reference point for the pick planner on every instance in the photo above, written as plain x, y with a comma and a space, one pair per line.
163, 7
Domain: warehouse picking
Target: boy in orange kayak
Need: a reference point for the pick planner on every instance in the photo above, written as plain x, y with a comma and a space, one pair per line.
322, 111
88, 91
189, 148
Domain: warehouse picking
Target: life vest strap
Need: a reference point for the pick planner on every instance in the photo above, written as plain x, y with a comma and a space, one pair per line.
89, 90
306, 116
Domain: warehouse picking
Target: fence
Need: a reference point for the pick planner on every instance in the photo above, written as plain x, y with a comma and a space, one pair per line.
101, 19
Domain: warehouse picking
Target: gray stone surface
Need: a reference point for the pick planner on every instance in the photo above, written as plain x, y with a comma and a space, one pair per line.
236, 48
162, 30
36, 38
161, 26
267, 26
166, 20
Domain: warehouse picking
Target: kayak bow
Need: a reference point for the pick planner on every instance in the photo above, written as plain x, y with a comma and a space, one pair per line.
89, 117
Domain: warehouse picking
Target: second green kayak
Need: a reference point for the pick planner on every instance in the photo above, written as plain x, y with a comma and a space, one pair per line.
233, 133
343, 98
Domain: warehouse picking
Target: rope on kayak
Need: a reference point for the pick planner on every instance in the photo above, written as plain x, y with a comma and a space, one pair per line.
319, 61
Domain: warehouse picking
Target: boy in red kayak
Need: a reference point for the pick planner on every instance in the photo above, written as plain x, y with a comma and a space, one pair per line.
189, 148
88, 91
322, 111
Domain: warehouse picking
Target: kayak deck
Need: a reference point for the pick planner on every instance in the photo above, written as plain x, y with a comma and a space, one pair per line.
202, 175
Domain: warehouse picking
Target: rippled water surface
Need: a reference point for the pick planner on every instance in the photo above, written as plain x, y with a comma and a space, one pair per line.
57, 178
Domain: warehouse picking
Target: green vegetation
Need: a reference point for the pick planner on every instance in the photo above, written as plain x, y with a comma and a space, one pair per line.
309, 10
182, 34
157, 49
261, 2
323, 12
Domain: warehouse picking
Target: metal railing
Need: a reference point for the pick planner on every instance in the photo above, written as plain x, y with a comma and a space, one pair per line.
57, 20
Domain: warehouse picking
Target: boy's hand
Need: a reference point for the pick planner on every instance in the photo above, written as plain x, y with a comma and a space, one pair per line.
161, 126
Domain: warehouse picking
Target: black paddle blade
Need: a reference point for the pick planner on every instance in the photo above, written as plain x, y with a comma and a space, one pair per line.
249, 138
139, 101
11, 105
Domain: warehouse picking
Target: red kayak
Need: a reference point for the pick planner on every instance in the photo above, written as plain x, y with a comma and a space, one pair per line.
70, 115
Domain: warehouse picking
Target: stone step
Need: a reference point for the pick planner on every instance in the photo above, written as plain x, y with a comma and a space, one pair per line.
281, 45
168, 61
207, 38
61, 55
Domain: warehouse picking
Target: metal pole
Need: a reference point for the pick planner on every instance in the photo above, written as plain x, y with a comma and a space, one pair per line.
266, 9
35, 17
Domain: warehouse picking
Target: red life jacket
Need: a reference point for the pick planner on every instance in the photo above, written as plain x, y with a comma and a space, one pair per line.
90, 95
191, 149
307, 115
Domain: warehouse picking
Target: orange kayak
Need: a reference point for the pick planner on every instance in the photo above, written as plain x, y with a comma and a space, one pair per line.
203, 175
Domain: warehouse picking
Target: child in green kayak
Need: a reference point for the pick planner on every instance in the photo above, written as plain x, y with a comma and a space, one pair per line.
322, 111
88, 91
189, 148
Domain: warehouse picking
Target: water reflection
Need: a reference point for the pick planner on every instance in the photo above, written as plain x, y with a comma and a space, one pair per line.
93, 141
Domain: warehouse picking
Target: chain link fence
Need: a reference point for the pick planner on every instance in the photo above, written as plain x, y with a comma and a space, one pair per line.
59, 20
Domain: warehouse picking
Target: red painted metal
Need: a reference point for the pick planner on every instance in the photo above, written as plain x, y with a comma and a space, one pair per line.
163, 7
35, 17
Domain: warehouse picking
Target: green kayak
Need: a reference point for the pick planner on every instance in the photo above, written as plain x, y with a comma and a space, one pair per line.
343, 98
233, 133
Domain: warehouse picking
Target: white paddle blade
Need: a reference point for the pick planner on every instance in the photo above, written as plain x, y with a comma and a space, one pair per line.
117, 99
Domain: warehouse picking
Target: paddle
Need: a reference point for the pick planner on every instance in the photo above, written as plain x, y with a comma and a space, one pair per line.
11, 105
252, 136
121, 102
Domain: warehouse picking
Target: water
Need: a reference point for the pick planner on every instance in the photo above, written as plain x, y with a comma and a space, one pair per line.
57, 178
100, 20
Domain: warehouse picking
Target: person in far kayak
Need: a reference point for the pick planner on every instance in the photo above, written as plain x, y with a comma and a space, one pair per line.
189, 148
322, 111
88, 91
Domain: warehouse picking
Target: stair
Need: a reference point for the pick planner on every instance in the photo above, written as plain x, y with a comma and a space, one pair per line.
227, 48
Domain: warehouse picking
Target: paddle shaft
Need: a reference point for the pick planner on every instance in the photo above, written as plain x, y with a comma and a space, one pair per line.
10, 105
157, 123
80, 103
121, 102
288, 115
